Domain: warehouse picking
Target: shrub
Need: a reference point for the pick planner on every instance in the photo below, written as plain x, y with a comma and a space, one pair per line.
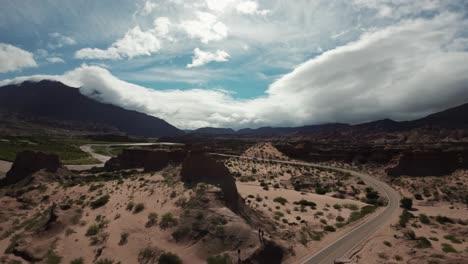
77, 261
424, 219
123, 239
101, 201
305, 203
409, 234
453, 239
337, 206
130, 206
387, 243
447, 248
406, 203
152, 219
398, 258
220, 259
169, 258
418, 196
53, 258
340, 218
444, 219
423, 243
105, 261
167, 221
280, 200
329, 228
138, 208
181, 233
92, 230
405, 217
148, 255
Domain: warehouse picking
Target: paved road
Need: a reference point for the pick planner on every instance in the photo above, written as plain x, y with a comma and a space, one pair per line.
341, 248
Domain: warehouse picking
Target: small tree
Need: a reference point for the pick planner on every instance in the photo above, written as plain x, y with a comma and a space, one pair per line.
406, 203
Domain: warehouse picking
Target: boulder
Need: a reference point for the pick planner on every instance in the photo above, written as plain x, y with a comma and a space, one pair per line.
148, 159
29, 162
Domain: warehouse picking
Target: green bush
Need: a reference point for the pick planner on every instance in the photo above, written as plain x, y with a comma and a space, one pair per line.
424, 219
181, 233
220, 259
405, 217
329, 228
447, 248
101, 201
305, 203
453, 239
169, 258
130, 206
444, 219
167, 221
406, 203
77, 261
138, 208
280, 200
92, 230
423, 243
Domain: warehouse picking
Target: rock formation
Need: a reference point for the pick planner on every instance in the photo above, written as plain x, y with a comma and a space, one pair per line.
270, 253
148, 159
199, 167
428, 163
29, 162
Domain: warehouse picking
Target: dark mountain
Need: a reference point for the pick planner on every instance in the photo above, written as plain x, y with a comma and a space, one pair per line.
213, 131
282, 131
56, 101
456, 117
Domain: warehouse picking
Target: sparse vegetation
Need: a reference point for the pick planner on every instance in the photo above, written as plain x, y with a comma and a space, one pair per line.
139, 207
167, 221
406, 203
220, 259
169, 258
280, 200
101, 201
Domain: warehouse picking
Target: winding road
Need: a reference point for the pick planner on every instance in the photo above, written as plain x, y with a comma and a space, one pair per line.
342, 247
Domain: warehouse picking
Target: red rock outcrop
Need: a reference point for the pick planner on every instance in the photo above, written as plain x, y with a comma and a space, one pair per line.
199, 167
145, 158
29, 162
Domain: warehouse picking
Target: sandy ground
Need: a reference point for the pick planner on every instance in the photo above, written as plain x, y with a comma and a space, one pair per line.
389, 245
4, 166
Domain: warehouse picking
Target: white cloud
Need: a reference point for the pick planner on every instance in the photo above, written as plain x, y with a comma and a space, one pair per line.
55, 60
404, 71
203, 57
148, 7
250, 7
58, 40
136, 42
206, 27
13, 58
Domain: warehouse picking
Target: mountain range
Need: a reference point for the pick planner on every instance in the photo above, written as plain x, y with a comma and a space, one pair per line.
57, 102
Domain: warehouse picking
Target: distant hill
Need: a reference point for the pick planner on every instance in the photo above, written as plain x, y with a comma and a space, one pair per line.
453, 118
213, 131
51, 100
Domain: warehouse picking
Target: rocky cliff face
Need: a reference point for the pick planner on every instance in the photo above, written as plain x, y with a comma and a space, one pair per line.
145, 158
199, 167
29, 162
428, 163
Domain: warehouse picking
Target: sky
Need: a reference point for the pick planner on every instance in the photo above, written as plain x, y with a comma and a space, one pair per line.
245, 63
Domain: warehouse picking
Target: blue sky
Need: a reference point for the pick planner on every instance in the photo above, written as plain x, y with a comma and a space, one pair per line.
245, 63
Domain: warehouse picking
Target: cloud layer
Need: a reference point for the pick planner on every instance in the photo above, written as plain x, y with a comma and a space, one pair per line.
13, 58
403, 69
